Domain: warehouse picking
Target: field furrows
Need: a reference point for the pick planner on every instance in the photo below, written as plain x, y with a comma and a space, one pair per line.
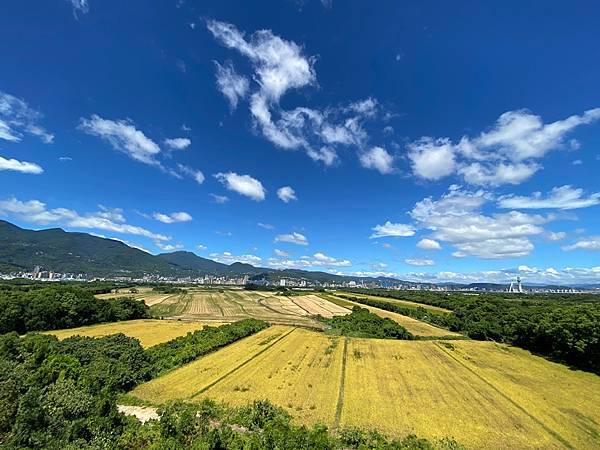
315, 305
301, 372
193, 377
434, 396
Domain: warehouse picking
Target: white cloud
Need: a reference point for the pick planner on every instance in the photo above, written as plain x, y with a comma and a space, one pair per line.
388, 130
243, 185
324, 260
456, 218
266, 226
420, 262
559, 236
550, 275
17, 119
178, 143
589, 243
393, 229
563, 197
429, 244
219, 199
79, 7
201, 247
278, 67
286, 194
229, 258
173, 217
65, 158
292, 238
34, 211
432, 159
195, 174
506, 154
168, 247
379, 159
19, 166
123, 136
231, 85
281, 253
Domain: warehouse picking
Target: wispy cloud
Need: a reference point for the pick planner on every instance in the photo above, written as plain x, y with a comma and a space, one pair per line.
563, 197
292, 238
173, 217
393, 229
17, 119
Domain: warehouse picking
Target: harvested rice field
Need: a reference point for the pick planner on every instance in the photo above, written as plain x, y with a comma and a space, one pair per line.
229, 305
399, 302
483, 394
148, 331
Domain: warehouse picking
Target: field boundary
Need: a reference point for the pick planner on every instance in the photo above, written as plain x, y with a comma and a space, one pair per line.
239, 366
549, 430
340, 401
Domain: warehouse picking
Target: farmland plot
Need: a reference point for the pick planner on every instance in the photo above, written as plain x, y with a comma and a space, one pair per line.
301, 373
149, 332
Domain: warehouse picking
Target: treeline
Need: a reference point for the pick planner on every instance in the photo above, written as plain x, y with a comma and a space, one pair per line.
165, 289
59, 306
566, 331
62, 395
364, 324
180, 351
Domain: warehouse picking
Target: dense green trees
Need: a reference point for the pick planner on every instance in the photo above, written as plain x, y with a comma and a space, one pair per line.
364, 324
58, 306
566, 329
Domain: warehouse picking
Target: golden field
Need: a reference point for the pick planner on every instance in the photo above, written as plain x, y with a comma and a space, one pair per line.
482, 394
230, 305
399, 302
148, 331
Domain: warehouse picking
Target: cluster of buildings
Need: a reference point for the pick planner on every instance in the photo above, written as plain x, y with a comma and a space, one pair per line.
40, 274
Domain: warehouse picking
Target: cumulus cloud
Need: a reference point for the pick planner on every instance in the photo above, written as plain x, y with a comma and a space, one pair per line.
419, 262
286, 194
589, 243
229, 258
178, 143
379, 159
18, 119
281, 253
456, 218
195, 174
292, 238
393, 229
563, 197
508, 153
124, 137
280, 66
549, 275
325, 260
173, 217
429, 244
35, 211
232, 85
243, 185
20, 166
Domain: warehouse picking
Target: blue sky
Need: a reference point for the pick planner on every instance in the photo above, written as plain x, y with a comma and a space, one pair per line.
421, 140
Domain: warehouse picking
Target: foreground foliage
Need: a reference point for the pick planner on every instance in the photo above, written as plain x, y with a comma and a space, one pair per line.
566, 329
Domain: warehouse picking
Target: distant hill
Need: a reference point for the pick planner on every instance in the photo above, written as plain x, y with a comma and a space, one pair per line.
70, 252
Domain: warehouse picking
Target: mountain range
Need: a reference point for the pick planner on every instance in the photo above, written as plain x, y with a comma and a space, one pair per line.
82, 253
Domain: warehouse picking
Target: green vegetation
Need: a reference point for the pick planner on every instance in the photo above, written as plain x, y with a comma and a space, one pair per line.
167, 289
364, 324
179, 351
563, 328
44, 307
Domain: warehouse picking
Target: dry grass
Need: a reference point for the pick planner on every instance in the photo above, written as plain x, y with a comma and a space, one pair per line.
149, 332
190, 379
483, 394
300, 373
